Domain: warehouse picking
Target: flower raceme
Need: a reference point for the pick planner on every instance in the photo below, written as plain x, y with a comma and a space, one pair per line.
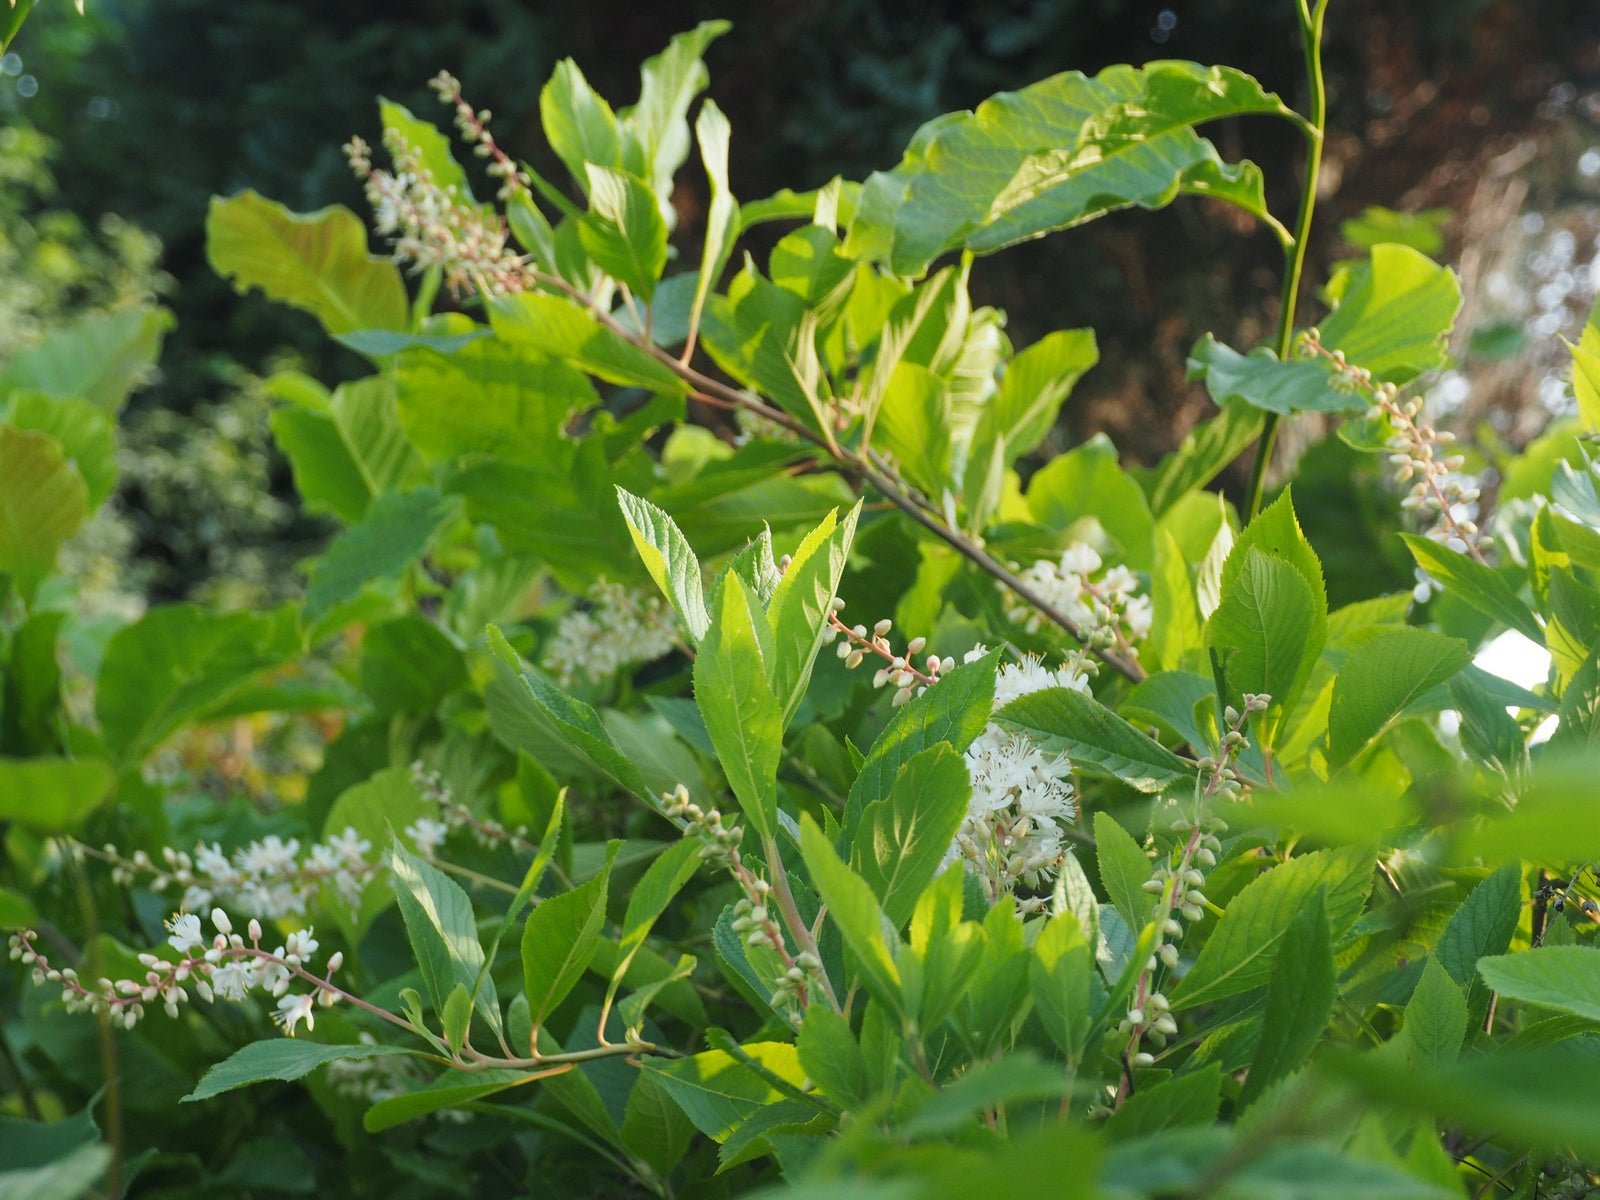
225, 967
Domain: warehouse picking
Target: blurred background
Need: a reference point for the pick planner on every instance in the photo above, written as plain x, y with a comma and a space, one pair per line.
1478, 118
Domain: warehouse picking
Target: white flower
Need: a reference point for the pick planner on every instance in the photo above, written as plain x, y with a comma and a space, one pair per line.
619, 627
427, 833
185, 929
294, 1009
299, 946
232, 979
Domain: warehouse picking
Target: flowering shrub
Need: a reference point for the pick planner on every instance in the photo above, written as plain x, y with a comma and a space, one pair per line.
1129, 864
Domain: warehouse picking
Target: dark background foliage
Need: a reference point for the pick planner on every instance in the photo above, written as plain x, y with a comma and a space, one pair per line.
158, 106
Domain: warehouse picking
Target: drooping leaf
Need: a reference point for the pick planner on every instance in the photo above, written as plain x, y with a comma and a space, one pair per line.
1475, 584
1261, 381
317, 262
280, 1058
1055, 154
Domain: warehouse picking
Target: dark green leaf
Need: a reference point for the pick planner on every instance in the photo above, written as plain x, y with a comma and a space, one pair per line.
394, 532
279, 1058
903, 838
1124, 869
1300, 997
559, 941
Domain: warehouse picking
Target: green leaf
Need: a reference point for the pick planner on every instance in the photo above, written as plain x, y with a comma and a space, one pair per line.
1188, 1099
317, 262
175, 664
801, 603
663, 880
457, 1017
719, 1093
1544, 1098
1204, 452
85, 434
1099, 742
1037, 381
1586, 371
1124, 869
1436, 1017
623, 231
668, 84
1565, 979
450, 1090
1088, 482
43, 501
51, 1160
742, 716
1261, 381
432, 147
854, 910
1473, 583
523, 707
1483, 925
53, 795
903, 838
521, 403
409, 665
579, 124
1055, 154
378, 809
1300, 996
913, 426
670, 560
394, 532
1238, 956
1061, 979
955, 712
1392, 313
443, 933
326, 473
832, 1057
1381, 678
96, 357
565, 331
559, 941
1015, 1079
280, 1058
712, 132
654, 1128
1267, 631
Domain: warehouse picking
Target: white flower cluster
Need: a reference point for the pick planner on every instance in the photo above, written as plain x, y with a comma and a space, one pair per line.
1022, 796
429, 834
1108, 609
269, 875
433, 225
223, 968
618, 627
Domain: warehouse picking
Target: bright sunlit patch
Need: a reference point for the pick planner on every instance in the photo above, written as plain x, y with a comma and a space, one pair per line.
1518, 659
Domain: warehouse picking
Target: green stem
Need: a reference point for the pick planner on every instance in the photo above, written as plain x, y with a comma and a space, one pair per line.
1295, 253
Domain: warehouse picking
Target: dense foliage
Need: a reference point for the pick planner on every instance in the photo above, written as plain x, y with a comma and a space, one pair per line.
1144, 856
